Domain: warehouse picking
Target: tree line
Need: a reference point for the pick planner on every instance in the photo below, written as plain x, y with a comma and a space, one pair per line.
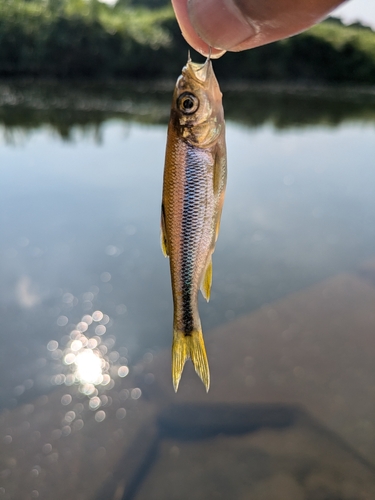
89, 39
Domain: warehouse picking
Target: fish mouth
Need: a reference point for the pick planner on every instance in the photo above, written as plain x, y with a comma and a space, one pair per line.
199, 72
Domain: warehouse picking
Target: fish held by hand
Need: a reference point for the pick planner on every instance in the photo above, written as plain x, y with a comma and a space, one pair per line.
193, 195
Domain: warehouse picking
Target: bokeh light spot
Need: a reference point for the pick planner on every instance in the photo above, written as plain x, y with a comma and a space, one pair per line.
66, 399
136, 393
100, 416
100, 330
62, 321
97, 315
120, 413
123, 371
52, 345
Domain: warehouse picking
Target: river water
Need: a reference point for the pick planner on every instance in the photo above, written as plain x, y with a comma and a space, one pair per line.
81, 178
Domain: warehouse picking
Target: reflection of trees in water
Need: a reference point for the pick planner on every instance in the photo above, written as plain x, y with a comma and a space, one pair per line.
283, 107
73, 107
83, 108
19, 121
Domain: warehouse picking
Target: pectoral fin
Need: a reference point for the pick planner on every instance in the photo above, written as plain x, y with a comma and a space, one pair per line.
207, 281
163, 239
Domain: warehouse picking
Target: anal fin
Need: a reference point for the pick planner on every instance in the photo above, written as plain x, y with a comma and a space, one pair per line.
207, 281
217, 228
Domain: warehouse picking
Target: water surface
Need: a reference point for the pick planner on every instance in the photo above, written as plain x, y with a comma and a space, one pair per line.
81, 200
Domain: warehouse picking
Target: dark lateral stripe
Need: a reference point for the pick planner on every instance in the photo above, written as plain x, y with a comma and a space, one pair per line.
187, 268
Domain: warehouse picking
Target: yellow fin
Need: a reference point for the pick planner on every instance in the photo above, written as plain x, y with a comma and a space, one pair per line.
220, 169
163, 239
217, 227
185, 347
207, 281
219, 179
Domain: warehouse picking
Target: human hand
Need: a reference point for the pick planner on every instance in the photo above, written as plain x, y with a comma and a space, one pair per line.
237, 25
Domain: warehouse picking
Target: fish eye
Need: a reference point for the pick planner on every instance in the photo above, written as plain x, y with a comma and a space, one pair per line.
188, 103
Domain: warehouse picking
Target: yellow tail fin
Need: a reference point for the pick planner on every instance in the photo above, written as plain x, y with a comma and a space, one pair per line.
185, 347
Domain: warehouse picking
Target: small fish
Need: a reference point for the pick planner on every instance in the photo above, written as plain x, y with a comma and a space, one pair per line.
193, 195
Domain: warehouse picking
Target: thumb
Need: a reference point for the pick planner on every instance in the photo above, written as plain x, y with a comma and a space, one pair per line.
180, 8
242, 24
220, 23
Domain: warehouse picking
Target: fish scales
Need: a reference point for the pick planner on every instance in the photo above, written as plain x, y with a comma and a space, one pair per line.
193, 195
190, 219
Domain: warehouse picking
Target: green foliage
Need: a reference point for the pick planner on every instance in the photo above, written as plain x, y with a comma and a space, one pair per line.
79, 38
328, 53
86, 38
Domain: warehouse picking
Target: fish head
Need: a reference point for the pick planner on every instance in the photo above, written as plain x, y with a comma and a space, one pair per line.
197, 109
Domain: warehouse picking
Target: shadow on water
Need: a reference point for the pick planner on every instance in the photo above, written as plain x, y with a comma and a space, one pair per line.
166, 442
28, 106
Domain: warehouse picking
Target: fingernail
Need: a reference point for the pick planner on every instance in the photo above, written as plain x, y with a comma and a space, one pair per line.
219, 23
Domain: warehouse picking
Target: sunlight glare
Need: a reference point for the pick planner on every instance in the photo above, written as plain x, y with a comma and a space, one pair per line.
111, 3
88, 367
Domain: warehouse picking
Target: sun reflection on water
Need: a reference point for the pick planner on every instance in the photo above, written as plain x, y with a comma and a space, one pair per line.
87, 359
88, 367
